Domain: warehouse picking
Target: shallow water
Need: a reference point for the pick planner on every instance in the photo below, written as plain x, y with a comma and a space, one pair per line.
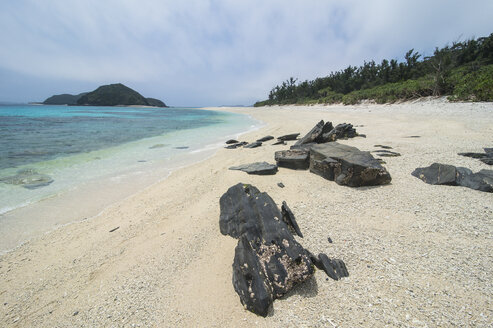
95, 156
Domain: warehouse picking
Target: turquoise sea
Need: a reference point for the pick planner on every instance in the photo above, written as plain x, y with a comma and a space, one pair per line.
56, 151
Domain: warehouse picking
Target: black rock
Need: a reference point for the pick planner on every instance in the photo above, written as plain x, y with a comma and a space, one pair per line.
280, 142
268, 260
474, 155
296, 159
334, 268
486, 157
267, 138
287, 137
181, 147
311, 136
382, 146
288, 218
386, 153
322, 138
487, 160
329, 240
347, 165
280, 184
343, 130
259, 168
438, 174
443, 174
253, 144
231, 141
236, 145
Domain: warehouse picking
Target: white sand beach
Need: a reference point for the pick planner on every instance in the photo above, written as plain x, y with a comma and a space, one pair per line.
418, 255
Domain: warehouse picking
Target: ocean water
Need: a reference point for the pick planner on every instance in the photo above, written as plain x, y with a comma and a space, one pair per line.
71, 152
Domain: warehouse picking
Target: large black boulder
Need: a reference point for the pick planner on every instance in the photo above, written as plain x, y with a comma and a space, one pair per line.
268, 260
443, 174
296, 159
347, 165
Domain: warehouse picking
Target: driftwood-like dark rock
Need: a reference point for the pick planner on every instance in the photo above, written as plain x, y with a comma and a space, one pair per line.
231, 141
343, 130
347, 165
280, 142
296, 159
334, 268
386, 153
253, 144
259, 168
236, 145
268, 260
312, 135
486, 157
287, 137
382, 146
443, 174
288, 218
266, 138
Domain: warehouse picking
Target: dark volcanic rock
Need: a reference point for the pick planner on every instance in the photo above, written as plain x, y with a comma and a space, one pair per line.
287, 137
267, 138
439, 174
347, 165
312, 135
288, 218
236, 145
231, 141
280, 142
343, 130
259, 168
334, 268
268, 260
382, 146
253, 144
442, 174
296, 159
486, 157
386, 153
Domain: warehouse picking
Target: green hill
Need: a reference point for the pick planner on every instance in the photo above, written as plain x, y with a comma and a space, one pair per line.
155, 102
63, 99
463, 71
113, 95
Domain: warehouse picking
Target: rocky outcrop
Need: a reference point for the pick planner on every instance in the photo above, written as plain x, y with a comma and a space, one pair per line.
258, 168
296, 159
268, 260
443, 174
347, 165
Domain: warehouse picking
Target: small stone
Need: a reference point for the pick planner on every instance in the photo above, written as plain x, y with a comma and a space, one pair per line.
330, 240
281, 185
75, 313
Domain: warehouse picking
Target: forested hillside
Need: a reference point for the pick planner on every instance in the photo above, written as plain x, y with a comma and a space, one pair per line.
463, 71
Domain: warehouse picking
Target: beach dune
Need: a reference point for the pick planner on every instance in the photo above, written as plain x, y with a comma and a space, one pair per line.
417, 254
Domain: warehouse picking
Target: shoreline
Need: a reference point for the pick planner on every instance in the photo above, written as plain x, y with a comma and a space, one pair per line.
406, 244
89, 198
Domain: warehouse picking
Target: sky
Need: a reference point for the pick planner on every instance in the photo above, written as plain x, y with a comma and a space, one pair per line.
213, 53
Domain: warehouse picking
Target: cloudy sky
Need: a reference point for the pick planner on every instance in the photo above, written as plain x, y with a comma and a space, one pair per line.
205, 52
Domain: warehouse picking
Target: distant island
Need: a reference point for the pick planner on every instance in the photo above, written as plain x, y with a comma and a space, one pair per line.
463, 72
106, 95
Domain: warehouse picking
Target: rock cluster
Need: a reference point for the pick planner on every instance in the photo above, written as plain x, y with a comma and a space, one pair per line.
268, 260
443, 174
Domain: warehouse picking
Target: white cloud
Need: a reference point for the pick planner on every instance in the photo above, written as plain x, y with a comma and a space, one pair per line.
213, 52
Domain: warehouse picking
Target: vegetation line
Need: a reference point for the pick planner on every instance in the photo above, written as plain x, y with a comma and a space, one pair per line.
463, 71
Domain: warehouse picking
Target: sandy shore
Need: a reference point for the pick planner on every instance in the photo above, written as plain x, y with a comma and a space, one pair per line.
418, 255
